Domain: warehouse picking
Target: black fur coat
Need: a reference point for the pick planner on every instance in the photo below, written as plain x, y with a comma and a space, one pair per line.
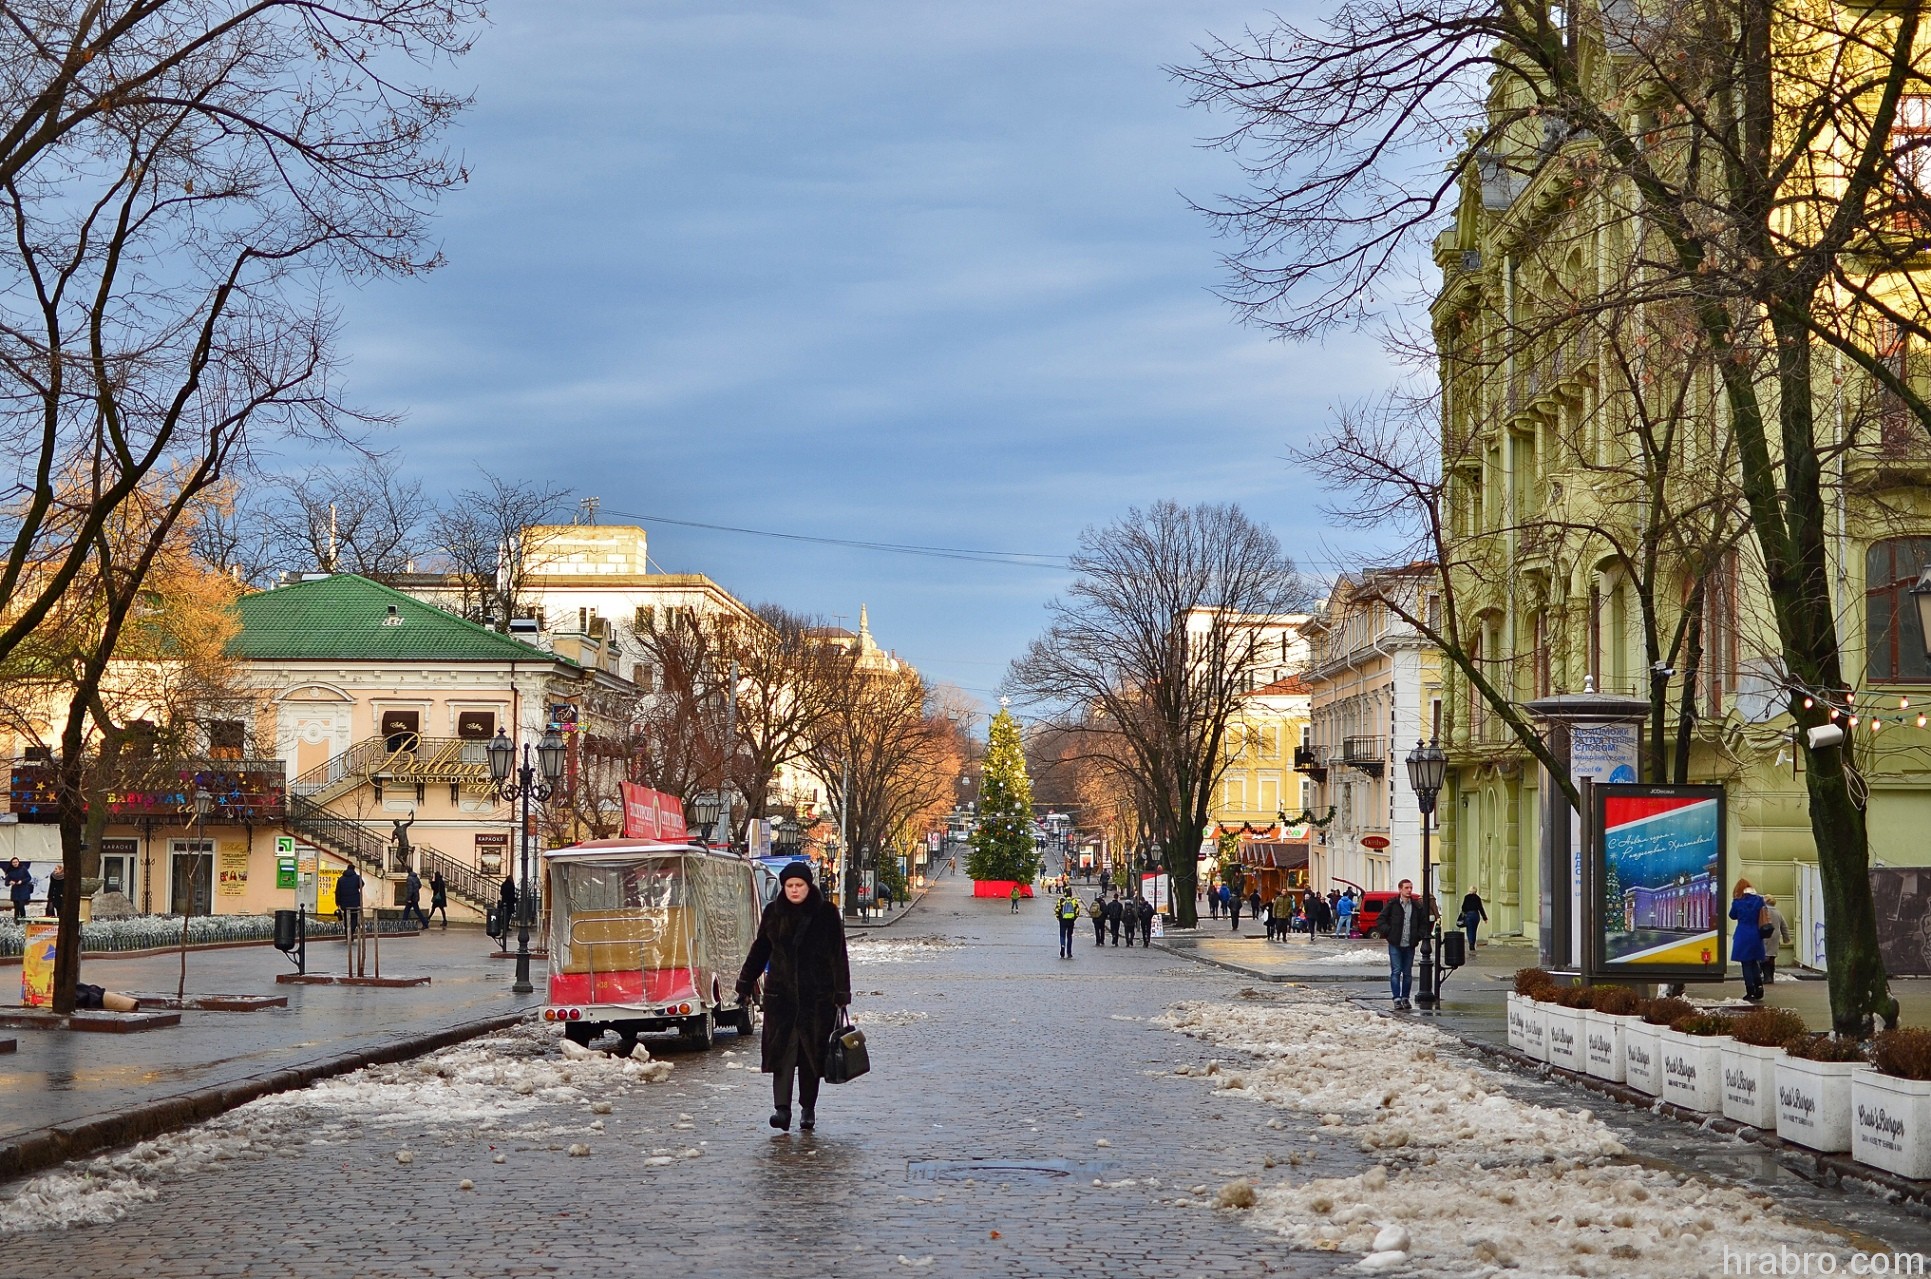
800, 952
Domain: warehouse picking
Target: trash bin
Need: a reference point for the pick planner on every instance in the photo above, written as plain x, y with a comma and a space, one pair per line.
1454, 950
493, 921
285, 930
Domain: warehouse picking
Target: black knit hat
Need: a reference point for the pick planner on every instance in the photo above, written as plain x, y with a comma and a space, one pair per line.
796, 870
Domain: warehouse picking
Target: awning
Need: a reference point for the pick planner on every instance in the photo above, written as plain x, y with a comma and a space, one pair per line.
1279, 856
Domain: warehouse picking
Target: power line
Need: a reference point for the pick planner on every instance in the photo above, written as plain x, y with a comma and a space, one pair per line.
1017, 559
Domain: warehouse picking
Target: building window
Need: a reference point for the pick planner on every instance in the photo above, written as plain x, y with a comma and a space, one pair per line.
645, 620
227, 738
1719, 637
401, 730
643, 677
1893, 639
1911, 156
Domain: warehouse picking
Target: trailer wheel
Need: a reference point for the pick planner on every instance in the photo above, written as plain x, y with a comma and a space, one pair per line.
580, 1033
626, 1042
747, 1020
700, 1032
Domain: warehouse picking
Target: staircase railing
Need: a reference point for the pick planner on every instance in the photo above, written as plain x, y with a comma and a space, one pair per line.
355, 841
408, 756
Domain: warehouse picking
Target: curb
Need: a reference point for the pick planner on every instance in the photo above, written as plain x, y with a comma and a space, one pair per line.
50, 1146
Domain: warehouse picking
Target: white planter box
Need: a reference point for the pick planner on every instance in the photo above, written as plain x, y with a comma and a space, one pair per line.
1692, 1070
1750, 1084
1642, 1064
1535, 1029
1563, 1034
1891, 1123
1515, 1005
1814, 1102
1602, 1045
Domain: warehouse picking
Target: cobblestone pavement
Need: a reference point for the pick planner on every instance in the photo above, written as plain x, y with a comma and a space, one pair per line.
996, 1052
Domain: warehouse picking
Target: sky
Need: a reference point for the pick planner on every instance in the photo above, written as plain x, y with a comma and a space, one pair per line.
910, 272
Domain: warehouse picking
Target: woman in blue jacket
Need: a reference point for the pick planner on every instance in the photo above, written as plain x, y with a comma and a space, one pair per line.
1746, 941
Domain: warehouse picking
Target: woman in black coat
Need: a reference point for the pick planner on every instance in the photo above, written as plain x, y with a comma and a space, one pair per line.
800, 951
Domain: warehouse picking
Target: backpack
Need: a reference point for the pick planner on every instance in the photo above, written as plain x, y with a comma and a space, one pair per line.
1068, 908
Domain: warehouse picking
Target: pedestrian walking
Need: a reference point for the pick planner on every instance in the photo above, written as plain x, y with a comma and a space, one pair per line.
439, 898
1068, 914
1254, 905
1403, 922
1213, 901
20, 885
505, 907
412, 899
1146, 913
1746, 941
800, 953
1344, 915
1775, 940
1015, 899
1096, 911
1113, 911
1282, 921
1472, 917
1231, 901
348, 901
56, 890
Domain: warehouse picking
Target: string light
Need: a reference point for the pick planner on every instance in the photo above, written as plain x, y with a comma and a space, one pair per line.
1877, 726
1853, 721
1920, 719
1904, 703
1808, 703
1833, 712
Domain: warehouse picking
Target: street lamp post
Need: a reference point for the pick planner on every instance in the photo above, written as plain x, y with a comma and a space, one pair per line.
704, 814
1427, 771
524, 787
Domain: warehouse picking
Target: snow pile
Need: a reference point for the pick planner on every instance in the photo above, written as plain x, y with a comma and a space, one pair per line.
479, 1085
1477, 1178
1362, 957
897, 950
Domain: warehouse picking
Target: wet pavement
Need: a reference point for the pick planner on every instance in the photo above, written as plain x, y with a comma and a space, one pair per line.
1021, 1119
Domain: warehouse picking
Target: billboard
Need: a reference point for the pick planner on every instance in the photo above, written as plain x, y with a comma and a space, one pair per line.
1654, 899
651, 814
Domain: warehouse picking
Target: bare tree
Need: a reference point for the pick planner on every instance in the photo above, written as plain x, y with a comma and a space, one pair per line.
1153, 650
788, 686
1737, 159
680, 725
366, 518
484, 537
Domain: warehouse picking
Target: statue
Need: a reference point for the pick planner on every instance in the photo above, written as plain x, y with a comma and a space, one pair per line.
404, 854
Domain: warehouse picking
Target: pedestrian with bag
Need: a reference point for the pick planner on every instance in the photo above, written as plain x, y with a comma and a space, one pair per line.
1068, 914
1746, 941
800, 953
1472, 917
56, 890
1096, 911
1402, 924
1775, 938
1146, 912
438, 899
1113, 910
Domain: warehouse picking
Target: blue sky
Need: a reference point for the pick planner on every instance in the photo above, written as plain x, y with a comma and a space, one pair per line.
912, 272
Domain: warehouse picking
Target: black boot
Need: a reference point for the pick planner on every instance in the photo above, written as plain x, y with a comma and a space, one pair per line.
807, 1120
781, 1118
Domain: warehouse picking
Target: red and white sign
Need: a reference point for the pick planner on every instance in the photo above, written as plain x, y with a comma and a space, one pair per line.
651, 814
1376, 842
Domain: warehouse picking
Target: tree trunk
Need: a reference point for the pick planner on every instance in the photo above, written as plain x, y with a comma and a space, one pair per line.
1859, 992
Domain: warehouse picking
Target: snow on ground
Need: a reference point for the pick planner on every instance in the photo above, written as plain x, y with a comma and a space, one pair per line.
893, 1017
897, 950
1478, 1180
485, 1085
1361, 957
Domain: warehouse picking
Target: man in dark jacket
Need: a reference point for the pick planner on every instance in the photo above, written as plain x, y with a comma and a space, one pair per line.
505, 909
1403, 922
348, 900
412, 899
1096, 911
1145, 910
1113, 910
20, 886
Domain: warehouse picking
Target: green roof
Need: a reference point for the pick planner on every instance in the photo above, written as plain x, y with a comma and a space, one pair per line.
346, 618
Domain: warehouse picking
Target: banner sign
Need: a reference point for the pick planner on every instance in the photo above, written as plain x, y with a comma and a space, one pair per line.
1655, 901
1903, 900
651, 814
37, 964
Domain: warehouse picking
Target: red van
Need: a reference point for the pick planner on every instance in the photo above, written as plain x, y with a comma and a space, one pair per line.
1367, 911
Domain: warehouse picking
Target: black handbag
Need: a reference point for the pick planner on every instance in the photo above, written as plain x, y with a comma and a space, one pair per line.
845, 1055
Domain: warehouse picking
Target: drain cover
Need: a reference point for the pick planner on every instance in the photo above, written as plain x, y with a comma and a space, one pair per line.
1001, 1169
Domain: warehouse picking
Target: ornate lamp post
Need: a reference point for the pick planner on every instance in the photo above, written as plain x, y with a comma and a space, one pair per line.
704, 812
1427, 771
524, 787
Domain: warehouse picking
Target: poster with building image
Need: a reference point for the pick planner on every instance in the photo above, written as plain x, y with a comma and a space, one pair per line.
1654, 900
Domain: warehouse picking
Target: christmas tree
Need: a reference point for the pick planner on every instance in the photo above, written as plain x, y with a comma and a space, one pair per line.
1002, 847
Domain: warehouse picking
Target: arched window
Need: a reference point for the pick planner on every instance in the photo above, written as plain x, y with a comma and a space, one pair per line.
1893, 639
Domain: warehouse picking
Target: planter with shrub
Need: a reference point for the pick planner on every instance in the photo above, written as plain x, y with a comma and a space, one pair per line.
1523, 1009
1891, 1105
1642, 1062
1690, 1058
1611, 1009
1814, 1091
1562, 1027
1749, 1064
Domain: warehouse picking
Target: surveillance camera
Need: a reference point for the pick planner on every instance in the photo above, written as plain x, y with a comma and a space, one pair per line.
1824, 735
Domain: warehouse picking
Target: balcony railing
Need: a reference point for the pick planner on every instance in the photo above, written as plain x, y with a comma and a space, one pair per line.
1368, 754
1312, 760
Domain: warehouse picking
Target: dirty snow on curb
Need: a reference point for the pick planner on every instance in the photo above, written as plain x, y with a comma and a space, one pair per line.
897, 950
484, 1085
1471, 1180
1364, 957
891, 1017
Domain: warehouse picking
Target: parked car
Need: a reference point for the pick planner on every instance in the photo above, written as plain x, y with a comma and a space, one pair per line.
1367, 911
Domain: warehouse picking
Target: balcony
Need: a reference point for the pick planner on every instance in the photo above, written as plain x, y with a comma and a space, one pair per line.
1366, 754
1312, 760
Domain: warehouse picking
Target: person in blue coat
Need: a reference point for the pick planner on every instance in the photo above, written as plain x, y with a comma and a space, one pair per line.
1746, 941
